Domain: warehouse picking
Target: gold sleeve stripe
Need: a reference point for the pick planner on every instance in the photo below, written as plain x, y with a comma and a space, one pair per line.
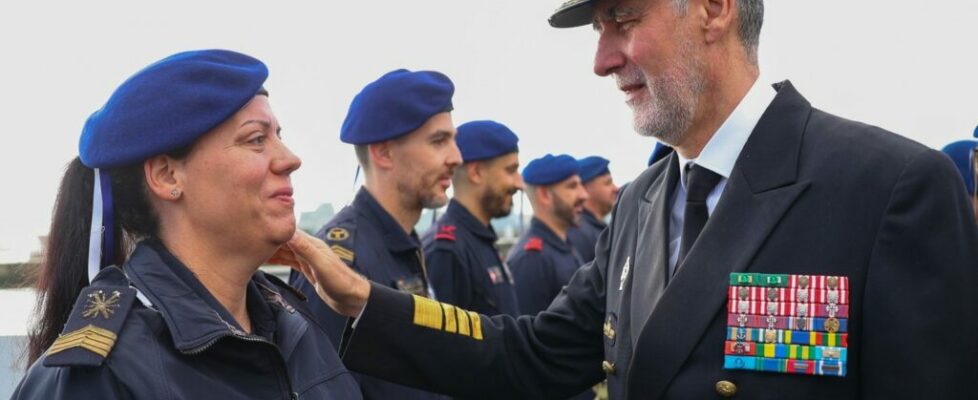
427, 312
476, 325
450, 325
342, 252
91, 338
463, 322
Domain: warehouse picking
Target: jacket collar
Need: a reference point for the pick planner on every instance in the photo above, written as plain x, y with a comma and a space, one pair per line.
588, 218
194, 317
541, 230
461, 215
394, 236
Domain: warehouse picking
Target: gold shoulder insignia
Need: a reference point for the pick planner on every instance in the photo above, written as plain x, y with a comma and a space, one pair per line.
101, 305
343, 253
93, 326
337, 234
91, 338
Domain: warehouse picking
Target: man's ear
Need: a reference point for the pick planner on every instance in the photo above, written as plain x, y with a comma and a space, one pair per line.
544, 195
381, 154
719, 19
475, 172
164, 177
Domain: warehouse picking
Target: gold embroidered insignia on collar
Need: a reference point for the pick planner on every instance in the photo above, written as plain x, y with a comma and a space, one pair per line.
337, 234
99, 305
91, 338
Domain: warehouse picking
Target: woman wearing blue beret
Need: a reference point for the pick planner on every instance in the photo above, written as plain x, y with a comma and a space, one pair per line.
180, 192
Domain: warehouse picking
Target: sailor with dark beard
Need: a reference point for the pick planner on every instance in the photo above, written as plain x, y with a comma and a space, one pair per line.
401, 128
543, 260
464, 265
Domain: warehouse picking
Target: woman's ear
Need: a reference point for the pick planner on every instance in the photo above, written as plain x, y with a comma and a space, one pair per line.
164, 177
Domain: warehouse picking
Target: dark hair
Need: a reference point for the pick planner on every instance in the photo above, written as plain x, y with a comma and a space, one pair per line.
63, 272
363, 155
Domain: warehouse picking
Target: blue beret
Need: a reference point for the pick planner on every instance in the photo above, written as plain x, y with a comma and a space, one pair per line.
481, 140
396, 104
592, 167
168, 105
960, 153
550, 169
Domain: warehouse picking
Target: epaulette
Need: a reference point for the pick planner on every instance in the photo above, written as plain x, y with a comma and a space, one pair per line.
533, 244
340, 238
446, 232
95, 322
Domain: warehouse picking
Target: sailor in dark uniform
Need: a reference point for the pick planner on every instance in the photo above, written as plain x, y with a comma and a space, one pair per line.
463, 262
402, 130
185, 156
542, 260
602, 193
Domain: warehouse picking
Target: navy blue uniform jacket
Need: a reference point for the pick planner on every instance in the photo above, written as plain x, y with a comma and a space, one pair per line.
464, 265
187, 346
370, 241
585, 236
810, 193
542, 263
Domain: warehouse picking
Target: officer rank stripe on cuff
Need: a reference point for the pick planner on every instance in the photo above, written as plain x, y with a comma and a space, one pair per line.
446, 317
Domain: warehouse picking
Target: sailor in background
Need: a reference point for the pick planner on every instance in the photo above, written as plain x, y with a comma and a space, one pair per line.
401, 128
601, 195
464, 264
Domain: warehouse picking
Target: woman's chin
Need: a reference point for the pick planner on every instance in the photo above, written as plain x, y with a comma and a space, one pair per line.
281, 233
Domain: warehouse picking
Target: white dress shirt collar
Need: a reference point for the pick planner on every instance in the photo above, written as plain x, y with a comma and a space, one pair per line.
721, 151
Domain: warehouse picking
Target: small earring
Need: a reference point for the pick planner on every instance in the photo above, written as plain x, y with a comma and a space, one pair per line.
175, 193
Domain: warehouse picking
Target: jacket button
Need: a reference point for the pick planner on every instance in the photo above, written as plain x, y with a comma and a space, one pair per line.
608, 367
726, 388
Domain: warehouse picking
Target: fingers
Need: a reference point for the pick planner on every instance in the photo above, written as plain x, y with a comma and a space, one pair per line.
336, 283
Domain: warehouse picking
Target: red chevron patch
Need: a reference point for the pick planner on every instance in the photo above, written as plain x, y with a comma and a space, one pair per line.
446, 232
533, 244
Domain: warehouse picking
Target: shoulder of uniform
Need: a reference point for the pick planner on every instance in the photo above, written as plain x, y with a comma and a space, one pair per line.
95, 322
533, 244
445, 232
339, 235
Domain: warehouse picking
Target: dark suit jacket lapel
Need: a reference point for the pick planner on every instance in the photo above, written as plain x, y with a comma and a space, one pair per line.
651, 263
761, 188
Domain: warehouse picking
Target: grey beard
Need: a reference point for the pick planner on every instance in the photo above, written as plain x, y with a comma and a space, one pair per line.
669, 112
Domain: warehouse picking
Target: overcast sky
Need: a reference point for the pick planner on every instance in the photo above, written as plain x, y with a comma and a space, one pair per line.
910, 67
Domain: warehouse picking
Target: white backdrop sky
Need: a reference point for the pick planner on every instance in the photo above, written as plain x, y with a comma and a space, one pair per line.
910, 67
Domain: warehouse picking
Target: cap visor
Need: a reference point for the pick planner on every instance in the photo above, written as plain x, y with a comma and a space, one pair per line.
573, 16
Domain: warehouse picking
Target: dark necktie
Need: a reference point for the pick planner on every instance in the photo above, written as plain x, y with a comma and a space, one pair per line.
699, 183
